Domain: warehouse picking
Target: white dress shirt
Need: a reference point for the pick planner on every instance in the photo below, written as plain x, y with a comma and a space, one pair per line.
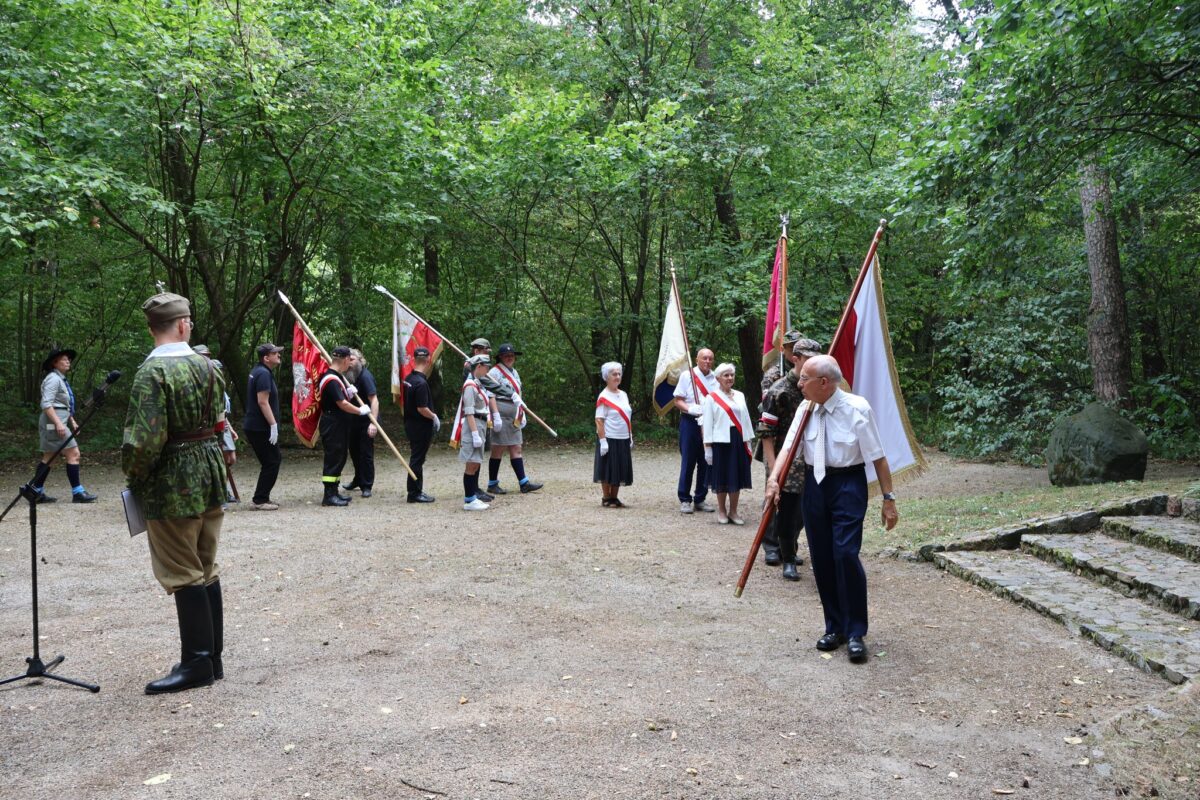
683, 389
615, 426
851, 436
716, 422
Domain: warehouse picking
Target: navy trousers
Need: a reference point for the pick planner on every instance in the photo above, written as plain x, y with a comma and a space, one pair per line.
691, 457
833, 519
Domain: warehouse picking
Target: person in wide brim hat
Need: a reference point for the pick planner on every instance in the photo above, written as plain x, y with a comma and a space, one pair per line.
57, 426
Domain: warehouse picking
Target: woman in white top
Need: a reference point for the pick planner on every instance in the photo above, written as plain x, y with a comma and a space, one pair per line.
728, 432
613, 464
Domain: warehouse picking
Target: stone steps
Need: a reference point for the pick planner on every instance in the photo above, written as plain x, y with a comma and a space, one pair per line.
1174, 535
1151, 638
1130, 568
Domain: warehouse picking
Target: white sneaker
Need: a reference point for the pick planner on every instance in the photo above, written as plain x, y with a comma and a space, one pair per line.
476, 505
685, 507
704, 505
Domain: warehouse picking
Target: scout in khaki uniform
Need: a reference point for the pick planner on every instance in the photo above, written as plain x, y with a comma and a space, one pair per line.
508, 437
470, 430
172, 460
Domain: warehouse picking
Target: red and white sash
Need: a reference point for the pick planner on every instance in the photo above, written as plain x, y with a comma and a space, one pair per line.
698, 382
604, 401
716, 396
516, 386
325, 379
456, 431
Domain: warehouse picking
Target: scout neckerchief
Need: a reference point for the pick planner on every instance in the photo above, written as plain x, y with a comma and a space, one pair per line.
516, 385
460, 418
716, 396
604, 401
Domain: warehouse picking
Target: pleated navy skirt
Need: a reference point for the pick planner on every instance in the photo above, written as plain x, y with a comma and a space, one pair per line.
730, 470
617, 466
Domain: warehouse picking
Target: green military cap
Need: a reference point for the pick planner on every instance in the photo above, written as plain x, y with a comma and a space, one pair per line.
164, 307
202, 349
807, 347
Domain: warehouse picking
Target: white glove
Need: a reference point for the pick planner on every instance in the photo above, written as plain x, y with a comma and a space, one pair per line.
604, 447
476, 439
364, 410
695, 410
497, 422
273, 436
437, 424
351, 391
517, 401
708, 456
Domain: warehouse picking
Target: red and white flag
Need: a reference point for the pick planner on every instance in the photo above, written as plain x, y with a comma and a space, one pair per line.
307, 368
778, 313
408, 333
864, 353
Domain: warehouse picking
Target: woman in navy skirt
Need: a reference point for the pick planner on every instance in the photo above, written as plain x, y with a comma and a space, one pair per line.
613, 464
728, 432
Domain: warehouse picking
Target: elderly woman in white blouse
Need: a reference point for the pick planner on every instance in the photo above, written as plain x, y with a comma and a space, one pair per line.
728, 432
613, 466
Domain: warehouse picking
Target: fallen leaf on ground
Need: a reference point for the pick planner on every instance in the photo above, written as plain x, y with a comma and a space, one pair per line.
1072, 740
1004, 791
157, 779
826, 656
462, 701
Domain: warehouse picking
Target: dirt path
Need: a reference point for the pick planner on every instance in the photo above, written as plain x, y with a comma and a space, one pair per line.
546, 649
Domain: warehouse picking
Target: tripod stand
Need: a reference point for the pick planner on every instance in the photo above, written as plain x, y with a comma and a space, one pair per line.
36, 668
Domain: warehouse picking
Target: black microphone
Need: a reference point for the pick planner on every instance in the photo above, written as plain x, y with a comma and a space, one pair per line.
99, 392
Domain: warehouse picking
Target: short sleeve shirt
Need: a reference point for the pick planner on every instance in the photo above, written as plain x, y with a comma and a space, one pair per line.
365, 383
615, 426
331, 392
684, 388
260, 380
416, 395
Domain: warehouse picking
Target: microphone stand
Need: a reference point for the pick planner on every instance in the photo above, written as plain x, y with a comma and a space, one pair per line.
36, 668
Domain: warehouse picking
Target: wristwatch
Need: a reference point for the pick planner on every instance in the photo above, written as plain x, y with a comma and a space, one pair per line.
889, 496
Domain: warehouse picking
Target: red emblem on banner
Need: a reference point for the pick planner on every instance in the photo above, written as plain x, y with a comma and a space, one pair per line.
307, 368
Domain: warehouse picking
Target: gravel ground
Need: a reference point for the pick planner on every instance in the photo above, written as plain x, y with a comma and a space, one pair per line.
545, 649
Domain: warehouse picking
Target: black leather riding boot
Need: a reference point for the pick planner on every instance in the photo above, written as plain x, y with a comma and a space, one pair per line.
218, 626
195, 666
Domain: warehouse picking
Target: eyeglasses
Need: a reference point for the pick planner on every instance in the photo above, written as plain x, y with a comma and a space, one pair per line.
806, 378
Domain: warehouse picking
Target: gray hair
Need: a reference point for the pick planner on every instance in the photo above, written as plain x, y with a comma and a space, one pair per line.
723, 368
825, 367
607, 368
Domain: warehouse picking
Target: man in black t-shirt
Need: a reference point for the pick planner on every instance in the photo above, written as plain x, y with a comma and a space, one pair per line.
261, 424
362, 430
420, 422
338, 411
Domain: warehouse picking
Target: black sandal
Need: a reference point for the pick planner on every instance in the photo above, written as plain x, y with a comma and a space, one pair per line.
615, 503
606, 502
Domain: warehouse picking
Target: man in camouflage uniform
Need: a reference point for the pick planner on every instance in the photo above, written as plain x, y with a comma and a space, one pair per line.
172, 460
780, 405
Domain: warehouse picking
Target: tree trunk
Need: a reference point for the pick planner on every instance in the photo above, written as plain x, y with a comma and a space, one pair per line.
1108, 329
432, 266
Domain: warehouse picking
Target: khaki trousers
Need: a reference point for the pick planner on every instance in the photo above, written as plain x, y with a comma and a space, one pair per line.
183, 550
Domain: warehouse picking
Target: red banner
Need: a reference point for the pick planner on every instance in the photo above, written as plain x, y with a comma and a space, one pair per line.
307, 368
408, 333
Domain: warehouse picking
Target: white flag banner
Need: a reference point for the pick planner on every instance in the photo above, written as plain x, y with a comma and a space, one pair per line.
672, 356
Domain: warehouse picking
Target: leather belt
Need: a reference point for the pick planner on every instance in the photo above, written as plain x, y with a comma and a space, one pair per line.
198, 435
840, 470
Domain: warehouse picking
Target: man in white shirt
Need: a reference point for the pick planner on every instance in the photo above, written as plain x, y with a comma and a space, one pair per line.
691, 442
839, 438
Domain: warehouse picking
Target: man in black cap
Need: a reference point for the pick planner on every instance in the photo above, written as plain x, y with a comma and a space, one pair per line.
337, 412
262, 424
362, 430
420, 422
508, 437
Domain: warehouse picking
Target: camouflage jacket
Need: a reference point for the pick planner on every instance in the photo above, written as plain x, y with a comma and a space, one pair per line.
779, 406
171, 396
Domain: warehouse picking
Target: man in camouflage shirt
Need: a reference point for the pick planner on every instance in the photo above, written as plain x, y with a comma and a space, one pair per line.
173, 463
780, 405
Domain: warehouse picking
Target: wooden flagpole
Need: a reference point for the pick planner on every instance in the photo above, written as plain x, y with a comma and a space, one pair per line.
790, 455
383, 290
687, 348
312, 337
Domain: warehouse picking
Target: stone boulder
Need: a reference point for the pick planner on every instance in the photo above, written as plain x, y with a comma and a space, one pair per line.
1097, 445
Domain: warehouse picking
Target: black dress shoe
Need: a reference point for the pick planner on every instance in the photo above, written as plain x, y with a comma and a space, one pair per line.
530, 486
366, 492
772, 556
83, 497
484, 496
45, 498
830, 641
790, 573
351, 486
420, 498
856, 649
335, 500
495, 488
